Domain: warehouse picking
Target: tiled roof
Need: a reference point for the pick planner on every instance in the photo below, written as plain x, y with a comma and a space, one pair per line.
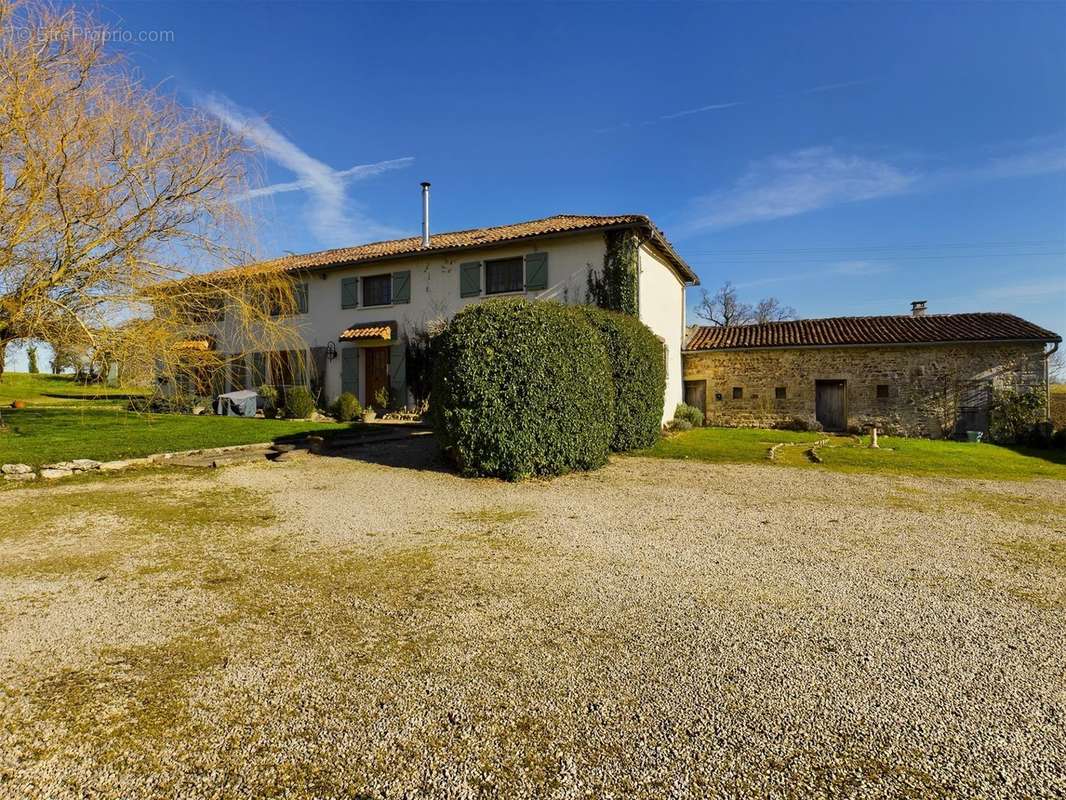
903, 329
477, 237
375, 330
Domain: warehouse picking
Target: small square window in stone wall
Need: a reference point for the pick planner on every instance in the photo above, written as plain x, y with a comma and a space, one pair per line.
738, 393
780, 393
882, 391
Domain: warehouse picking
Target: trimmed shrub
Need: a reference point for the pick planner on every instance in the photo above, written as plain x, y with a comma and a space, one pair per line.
522, 388
347, 407
638, 371
1013, 414
690, 414
677, 425
299, 404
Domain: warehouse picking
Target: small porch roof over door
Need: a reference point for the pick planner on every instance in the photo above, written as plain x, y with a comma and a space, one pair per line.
370, 332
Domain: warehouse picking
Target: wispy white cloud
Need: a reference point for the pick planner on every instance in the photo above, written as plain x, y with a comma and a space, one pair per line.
721, 106
329, 214
713, 107
832, 87
798, 182
821, 177
356, 173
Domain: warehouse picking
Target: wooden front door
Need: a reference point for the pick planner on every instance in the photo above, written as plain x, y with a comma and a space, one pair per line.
830, 404
696, 395
377, 374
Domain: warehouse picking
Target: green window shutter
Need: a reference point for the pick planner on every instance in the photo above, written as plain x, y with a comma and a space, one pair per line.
537, 271
401, 287
398, 378
349, 292
350, 370
470, 279
301, 298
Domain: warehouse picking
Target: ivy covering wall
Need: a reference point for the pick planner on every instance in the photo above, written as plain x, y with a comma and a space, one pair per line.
615, 289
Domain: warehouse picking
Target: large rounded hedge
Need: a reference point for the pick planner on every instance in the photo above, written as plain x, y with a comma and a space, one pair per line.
522, 388
638, 370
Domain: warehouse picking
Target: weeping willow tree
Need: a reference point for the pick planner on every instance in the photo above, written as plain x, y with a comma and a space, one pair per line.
118, 206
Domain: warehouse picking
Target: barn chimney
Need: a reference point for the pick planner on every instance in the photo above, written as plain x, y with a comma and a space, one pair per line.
425, 213
918, 308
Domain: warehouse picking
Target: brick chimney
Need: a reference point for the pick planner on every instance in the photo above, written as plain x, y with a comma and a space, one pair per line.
918, 308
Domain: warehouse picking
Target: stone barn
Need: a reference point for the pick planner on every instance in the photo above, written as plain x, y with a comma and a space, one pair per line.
915, 374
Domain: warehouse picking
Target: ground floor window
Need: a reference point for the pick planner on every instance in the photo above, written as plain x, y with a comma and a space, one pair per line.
504, 275
738, 393
287, 368
882, 391
780, 393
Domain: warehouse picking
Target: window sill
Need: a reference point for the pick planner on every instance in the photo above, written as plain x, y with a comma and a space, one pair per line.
502, 294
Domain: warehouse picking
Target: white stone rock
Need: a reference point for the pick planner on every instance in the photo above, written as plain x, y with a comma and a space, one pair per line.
60, 465
53, 472
20, 476
85, 463
16, 469
113, 466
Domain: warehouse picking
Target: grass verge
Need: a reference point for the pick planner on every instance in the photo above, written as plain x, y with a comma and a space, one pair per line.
896, 456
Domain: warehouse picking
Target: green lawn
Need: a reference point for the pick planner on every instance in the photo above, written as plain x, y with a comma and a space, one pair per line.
896, 456
41, 435
65, 420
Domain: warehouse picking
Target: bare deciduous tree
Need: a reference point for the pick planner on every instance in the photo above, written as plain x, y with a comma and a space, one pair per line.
112, 193
725, 308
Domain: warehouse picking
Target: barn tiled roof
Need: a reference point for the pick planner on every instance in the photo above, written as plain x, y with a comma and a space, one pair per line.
902, 329
475, 238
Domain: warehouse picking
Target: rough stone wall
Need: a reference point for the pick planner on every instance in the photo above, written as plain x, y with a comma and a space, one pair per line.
923, 382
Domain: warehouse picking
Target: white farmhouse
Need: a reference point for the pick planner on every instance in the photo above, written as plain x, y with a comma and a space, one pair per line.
358, 305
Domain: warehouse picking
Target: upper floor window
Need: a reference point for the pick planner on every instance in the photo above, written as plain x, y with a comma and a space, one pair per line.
738, 393
504, 275
882, 391
780, 393
280, 305
377, 290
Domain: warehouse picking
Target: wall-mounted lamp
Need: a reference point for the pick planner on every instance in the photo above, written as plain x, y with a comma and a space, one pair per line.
331, 351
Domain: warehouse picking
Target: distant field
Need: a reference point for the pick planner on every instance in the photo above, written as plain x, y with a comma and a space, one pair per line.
1058, 405
53, 390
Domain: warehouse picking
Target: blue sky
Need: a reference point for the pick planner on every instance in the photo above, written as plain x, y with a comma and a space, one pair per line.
845, 158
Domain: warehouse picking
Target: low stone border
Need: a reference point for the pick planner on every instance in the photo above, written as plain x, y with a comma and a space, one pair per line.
77, 466
772, 452
812, 454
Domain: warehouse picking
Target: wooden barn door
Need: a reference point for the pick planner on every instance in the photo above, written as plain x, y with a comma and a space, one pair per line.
830, 404
696, 395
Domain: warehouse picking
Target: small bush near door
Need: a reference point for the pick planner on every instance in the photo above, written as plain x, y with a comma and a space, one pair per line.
299, 404
347, 407
638, 371
690, 414
522, 388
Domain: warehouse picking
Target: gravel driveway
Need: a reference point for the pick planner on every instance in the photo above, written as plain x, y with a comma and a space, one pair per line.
329, 627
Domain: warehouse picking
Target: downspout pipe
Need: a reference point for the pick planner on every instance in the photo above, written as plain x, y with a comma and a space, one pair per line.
1047, 380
